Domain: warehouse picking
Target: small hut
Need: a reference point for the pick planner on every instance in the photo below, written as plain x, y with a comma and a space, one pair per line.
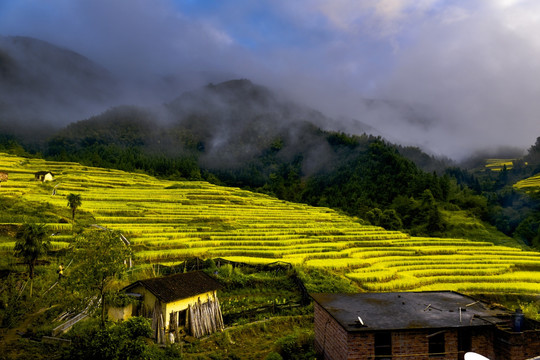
44, 176
3, 177
177, 304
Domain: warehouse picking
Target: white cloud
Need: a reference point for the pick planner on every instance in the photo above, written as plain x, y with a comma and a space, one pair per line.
454, 14
382, 18
474, 62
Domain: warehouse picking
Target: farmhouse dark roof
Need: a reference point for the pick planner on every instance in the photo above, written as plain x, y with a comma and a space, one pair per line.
178, 286
43, 173
408, 310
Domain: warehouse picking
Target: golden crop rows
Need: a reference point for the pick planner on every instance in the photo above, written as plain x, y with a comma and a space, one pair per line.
168, 221
499, 164
529, 184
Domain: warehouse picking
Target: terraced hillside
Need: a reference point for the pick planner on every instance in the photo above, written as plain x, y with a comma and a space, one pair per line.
499, 164
530, 184
167, 221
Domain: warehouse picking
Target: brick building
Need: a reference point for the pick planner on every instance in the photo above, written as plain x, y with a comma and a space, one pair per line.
419, 325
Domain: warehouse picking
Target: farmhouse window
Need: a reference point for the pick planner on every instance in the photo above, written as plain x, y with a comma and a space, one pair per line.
436, 344
383, 346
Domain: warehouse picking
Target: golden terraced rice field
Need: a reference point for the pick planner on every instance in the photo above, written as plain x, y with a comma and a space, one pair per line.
167, 221
531, 184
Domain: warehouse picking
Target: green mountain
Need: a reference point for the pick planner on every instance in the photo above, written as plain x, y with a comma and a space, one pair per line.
241, 134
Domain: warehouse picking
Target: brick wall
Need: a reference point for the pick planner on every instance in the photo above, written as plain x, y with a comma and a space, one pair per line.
516, 346
330, 337
361, 346
482, 342
410, 343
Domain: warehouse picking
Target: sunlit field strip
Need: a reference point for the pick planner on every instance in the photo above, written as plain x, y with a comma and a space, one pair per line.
201, 217
54, 245
331, 263
409, 283
443, 241
529, 184
170, 243
499, 164
237, 229
401, 278
198, 242
484, 271
441, 274
250, 260
485, 287
181, 253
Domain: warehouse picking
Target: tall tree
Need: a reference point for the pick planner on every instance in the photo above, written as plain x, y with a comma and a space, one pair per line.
74, 201
32, 242
101, 257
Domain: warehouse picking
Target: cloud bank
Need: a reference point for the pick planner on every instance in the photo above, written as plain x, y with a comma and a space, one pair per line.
468, 69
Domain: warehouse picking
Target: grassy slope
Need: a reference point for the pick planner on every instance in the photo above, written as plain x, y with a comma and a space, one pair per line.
168, 221
460, 224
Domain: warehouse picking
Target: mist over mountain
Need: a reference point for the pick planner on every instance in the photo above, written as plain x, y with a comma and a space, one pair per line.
226, 125
464, 68
238, 133
44, 87
237, 120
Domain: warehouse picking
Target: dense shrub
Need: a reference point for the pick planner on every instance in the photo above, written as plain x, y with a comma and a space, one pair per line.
297, 346
126, 340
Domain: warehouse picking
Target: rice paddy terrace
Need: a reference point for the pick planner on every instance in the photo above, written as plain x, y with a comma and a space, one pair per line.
499, 164
531, 184
167, 221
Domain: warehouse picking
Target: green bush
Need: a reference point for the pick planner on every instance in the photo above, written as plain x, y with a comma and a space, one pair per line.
273, 356
225, 271
126, 340
322, 281
297, 346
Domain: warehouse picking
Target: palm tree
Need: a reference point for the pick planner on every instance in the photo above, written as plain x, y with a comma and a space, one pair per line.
74, 201
32, 242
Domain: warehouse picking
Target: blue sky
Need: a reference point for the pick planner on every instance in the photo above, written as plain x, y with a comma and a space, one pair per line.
471, 62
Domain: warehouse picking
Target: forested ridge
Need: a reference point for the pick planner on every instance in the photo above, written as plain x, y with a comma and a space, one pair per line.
241, 134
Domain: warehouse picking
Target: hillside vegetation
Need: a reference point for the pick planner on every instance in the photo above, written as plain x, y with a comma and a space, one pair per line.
243, 135
238, 133
168, 221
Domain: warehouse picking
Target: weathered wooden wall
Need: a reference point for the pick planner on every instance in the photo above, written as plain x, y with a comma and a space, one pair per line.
205, 318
